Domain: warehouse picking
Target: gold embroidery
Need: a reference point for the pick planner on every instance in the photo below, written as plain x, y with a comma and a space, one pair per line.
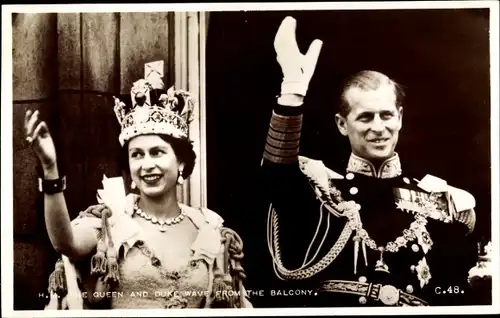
390, 168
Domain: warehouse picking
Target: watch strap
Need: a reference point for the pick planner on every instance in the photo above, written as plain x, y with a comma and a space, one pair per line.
52, 186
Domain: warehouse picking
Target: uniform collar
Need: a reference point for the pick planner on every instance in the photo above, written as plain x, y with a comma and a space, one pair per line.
390, 168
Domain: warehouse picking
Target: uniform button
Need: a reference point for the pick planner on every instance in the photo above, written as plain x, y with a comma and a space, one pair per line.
415, 248
409, 289
406, 180
353, 190
349, 176
362, 300
362, 279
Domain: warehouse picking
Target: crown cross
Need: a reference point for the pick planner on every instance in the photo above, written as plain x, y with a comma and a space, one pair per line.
154, 110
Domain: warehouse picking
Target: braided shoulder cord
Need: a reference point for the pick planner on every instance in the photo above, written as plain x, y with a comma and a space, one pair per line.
305, 272
301, 273
233, 257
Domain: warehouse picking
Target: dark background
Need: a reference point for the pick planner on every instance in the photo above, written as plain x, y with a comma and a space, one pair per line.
441, 57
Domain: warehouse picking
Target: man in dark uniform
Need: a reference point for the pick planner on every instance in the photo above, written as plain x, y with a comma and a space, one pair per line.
373, 236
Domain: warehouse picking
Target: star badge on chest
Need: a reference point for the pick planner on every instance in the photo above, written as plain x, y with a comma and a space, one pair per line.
424, 239
423, 272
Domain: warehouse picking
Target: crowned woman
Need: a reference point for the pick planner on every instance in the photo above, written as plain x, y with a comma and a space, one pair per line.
145, 249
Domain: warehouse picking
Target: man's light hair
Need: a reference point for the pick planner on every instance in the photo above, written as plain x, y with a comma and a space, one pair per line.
368, 80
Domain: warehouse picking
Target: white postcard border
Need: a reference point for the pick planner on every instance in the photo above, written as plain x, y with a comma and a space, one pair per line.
7, 164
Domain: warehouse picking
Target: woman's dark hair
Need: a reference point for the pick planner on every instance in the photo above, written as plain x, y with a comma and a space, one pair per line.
182, 147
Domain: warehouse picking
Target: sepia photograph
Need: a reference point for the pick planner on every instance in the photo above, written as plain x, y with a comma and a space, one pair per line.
280, 159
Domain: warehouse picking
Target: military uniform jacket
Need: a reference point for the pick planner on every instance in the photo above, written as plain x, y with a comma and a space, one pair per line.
410, 247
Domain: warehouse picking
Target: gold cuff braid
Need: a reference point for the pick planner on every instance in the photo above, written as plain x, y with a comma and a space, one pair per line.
283, 139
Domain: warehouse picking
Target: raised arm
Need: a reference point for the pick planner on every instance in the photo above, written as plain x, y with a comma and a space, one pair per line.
282, 144
78, 242
287, 189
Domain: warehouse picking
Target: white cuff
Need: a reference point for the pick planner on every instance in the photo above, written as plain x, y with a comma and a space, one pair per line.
299, 88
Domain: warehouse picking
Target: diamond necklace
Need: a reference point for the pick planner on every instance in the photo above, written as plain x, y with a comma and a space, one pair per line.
162, 224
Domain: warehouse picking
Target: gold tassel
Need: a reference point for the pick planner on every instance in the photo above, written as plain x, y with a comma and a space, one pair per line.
356, 252
112, 278
98, 263
223, 284
223, 288
57, 279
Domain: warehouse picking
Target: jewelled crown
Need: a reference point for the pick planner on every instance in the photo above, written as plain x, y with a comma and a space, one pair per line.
153, 110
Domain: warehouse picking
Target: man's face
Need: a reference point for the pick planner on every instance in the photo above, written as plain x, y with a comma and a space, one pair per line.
373, 122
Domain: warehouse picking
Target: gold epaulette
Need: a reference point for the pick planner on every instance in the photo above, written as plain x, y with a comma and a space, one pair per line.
320, 177
461, 201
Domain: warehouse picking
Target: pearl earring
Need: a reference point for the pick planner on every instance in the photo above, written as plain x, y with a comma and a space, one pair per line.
180, 179
133, 185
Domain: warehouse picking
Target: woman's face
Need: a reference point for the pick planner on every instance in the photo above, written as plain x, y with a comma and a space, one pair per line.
154, 167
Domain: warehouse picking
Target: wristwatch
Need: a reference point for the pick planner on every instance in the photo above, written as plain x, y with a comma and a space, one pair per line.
52, 186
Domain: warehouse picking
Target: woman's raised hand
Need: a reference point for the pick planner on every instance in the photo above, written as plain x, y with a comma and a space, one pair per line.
38, 135
297, 68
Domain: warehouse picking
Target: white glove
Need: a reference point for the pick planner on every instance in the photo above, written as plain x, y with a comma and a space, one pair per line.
297, 68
